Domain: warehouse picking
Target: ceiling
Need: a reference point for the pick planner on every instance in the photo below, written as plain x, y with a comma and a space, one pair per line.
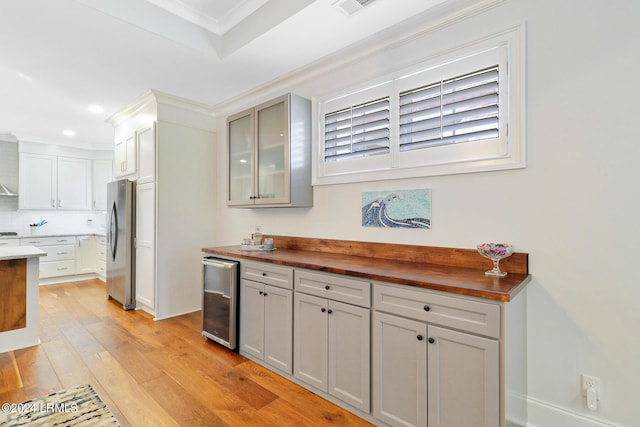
59, 57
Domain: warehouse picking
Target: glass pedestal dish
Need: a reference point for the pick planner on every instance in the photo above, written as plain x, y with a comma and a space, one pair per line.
495, 252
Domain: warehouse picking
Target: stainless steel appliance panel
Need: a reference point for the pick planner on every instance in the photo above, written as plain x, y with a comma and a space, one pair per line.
220, 301
120, 240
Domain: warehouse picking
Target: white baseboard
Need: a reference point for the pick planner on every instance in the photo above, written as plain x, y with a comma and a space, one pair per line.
545, 414
68, 279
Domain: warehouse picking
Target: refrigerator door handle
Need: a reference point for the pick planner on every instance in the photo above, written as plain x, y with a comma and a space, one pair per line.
113, 231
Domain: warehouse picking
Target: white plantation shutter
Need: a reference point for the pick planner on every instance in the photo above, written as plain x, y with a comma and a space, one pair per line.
456, 110
458, 113
357, 131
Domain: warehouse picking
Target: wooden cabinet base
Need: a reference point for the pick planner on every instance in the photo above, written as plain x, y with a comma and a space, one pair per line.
13, 304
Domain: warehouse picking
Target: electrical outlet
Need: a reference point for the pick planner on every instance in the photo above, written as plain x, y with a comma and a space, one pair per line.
589, 381
591, 390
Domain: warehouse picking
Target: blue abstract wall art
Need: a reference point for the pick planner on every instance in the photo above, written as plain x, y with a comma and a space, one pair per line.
397, 209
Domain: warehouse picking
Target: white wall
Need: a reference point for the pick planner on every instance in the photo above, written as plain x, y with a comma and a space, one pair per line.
575, 209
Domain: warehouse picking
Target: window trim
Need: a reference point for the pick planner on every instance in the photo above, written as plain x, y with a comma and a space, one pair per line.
397, 165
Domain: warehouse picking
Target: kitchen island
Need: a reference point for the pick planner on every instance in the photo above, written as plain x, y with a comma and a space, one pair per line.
19, 268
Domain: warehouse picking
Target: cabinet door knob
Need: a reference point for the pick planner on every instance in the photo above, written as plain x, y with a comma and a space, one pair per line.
264, 274
323, 309
327, 287
427, 308
260, 292
431, 340
330, 311
265, 294
420, 337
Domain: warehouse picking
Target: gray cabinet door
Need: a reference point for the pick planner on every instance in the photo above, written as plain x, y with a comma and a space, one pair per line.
399, 370
349, 354
252, 318
311, 340
278, 328
463, 376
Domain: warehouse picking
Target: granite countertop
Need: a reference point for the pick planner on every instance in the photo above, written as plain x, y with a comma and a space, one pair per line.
18, 252
458, 271
55, 234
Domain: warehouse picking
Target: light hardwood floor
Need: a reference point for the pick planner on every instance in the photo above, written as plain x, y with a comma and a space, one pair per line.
152, 373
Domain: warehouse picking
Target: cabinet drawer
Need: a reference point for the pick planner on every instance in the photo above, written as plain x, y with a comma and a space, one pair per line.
59, 253
41, 241
332, 287
9, 242
101, 269
267, 273
101, 254
57, 268
459, 313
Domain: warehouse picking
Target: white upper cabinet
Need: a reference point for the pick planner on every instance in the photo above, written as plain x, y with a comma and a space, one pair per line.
102, 175
125, 157
38, 187
269, 154
74, 184
51, 182
146, 141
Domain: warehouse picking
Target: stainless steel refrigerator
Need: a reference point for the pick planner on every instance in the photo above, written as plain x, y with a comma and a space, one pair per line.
120, 241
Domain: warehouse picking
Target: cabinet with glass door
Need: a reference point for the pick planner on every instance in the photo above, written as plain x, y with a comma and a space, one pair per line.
269, 154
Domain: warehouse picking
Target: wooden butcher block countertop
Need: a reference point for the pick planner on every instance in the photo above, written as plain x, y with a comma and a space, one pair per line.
453, 270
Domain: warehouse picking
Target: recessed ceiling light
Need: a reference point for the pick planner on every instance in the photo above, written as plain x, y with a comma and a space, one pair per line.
96, 109
69, 132
23, 76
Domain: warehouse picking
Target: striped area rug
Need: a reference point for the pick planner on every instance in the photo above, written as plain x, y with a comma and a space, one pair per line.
77, 406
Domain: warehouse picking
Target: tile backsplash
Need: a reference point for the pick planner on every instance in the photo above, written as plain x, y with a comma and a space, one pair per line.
57, 221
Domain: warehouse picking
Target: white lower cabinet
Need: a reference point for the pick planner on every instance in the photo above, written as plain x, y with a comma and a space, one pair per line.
85, 254
266, 324
332, 348
69, 256
61, 255
9, 242
101, 257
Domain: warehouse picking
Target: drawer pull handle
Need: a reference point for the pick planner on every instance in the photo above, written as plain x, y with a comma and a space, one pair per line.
427, 308
323, 309
264, 274
327, 287
62, 253
62, 268
431, 340
420, 337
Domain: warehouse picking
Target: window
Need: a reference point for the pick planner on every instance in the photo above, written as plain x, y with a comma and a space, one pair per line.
454, 115
357, 131
453, 111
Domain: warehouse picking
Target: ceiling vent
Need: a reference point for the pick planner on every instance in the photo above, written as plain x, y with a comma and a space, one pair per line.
349, 7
